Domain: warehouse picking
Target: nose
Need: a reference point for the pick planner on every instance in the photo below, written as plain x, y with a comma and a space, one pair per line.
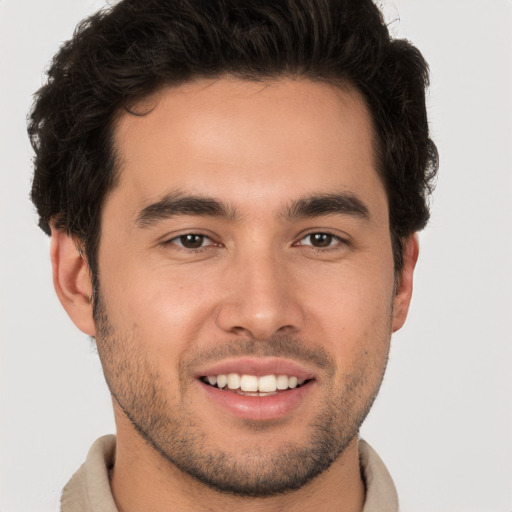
261, 299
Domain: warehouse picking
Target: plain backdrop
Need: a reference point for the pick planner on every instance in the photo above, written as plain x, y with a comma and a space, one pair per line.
443, 420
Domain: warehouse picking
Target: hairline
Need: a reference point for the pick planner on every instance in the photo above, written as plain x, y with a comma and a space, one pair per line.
129, 105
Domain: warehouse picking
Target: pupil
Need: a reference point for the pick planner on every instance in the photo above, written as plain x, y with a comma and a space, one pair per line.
192, 241
321, 239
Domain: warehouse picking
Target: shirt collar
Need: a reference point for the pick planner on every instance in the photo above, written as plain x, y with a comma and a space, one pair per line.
89, 488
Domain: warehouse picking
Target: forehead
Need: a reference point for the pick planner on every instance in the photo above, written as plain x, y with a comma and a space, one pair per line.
243, 140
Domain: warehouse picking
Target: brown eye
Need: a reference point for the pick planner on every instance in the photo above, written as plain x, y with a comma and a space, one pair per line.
319, 240
191, 241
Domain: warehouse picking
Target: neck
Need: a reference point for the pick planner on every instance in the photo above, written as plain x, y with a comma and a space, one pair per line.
142, 479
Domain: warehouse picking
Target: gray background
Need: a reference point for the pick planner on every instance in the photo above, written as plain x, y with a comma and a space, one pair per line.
443, 421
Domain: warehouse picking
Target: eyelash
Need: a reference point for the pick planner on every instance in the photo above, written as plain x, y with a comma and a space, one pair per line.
178, 241
334, 238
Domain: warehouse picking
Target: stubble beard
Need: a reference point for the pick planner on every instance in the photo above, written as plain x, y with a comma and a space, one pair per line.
179, 438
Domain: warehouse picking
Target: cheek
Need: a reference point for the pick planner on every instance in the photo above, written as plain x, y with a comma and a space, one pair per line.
160, 313
358, 332
349, 297
352, 313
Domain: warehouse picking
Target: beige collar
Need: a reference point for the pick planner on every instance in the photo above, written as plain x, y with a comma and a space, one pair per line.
89, 488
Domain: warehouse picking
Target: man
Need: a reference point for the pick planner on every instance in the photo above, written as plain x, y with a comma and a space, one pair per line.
233, 191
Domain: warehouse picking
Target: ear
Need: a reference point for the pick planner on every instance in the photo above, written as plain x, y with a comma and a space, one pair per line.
72, 281
403, 291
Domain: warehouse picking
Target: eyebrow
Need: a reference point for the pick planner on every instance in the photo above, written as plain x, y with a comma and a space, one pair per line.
179, 204
311, 206
327, 204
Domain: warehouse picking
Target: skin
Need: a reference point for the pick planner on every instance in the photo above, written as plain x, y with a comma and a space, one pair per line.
257, 286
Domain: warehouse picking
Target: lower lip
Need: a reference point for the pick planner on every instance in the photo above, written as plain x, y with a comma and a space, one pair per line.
259, 408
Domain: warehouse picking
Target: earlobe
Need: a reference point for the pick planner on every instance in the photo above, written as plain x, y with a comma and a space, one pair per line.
404, 285
72, 281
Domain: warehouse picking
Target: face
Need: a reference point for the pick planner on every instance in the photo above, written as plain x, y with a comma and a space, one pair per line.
246, 283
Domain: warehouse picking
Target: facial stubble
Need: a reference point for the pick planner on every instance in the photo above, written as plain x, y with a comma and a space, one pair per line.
179, 438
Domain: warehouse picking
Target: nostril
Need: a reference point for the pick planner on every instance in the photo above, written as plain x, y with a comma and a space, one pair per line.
261, 332
240, 330
258, 314
287, 329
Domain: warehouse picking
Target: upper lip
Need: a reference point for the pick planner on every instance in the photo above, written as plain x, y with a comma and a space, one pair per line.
256, 366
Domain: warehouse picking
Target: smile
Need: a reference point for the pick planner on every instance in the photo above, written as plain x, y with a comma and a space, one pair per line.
257, 389
252, 385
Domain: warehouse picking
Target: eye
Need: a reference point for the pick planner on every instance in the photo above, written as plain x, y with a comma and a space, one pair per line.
191, 241
320, 240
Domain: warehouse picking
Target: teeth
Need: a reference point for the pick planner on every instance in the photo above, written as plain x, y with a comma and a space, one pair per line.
252, 384
249, 383
222, 380
282, 382
233, 381
267, 383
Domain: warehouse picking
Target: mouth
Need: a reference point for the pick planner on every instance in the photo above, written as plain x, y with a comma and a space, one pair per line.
257, 389
253, 385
